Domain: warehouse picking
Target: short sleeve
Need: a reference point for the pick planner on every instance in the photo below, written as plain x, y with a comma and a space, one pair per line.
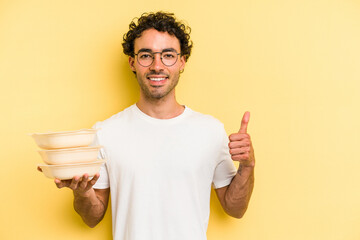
103, 181
225, 169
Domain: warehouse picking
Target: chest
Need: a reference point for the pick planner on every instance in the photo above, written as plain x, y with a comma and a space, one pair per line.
161, 152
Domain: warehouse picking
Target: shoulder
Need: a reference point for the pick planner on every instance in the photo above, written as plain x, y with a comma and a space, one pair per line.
206, 127
114, 119
205, 120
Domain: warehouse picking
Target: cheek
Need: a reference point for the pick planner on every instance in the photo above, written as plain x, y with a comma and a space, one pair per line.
175, 70
140, 71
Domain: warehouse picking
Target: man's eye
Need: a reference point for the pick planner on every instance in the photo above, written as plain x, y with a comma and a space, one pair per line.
145, 56
168, 55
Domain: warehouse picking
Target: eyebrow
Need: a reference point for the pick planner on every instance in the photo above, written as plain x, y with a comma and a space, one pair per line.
145, 50
169, 50
150, 51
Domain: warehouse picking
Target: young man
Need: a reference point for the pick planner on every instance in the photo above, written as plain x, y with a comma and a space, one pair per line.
162, 157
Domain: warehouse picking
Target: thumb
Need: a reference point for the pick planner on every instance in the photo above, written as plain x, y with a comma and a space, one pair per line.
244, 122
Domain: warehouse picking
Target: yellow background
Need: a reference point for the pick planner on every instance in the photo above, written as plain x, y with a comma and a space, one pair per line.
295, 65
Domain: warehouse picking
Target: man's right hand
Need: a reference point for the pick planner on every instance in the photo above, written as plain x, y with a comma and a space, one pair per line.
80, 185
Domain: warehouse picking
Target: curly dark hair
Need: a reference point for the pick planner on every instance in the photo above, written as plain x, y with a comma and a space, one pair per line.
162, 22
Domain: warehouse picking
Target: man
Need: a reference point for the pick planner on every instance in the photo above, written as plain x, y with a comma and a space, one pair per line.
162, 157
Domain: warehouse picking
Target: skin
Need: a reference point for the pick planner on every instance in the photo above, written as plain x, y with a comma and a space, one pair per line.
89, 203
235, 197
157, 99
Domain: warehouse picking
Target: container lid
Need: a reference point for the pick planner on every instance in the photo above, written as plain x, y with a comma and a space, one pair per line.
99, 161
71, 149
80, 131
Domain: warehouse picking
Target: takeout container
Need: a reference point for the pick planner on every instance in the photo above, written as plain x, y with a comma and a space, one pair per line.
68, 171
67, 139
70, 155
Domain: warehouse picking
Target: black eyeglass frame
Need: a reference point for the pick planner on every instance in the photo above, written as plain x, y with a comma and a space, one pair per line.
153, 57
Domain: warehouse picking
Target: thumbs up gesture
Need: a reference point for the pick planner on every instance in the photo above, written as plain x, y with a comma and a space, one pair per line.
240, 146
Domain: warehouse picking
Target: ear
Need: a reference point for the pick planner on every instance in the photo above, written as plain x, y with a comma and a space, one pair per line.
132, 63
182, 63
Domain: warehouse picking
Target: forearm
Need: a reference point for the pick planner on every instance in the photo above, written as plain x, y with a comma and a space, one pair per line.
238, 193
89, 207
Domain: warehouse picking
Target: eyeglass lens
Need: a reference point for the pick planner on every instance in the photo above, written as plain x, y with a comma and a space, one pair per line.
168, 58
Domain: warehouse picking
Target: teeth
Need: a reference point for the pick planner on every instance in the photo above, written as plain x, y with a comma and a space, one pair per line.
157, 79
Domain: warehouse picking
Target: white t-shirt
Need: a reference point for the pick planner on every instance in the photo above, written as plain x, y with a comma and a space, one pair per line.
160, 173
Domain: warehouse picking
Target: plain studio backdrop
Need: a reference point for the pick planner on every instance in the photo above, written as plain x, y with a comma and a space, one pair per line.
295, 65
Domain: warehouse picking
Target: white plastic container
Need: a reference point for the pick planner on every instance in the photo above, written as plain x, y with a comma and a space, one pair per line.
68, 171
70, 155
68, 139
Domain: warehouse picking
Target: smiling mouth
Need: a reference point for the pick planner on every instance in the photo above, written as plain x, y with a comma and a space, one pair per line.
157, 79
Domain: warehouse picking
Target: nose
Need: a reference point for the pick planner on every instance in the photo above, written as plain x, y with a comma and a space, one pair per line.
157, 64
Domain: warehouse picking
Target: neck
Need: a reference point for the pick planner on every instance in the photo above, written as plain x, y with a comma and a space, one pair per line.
160, 108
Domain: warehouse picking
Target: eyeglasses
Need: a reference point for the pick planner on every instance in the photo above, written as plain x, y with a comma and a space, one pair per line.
146, 57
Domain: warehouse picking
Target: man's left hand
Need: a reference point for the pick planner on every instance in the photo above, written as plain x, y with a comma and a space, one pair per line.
240, 146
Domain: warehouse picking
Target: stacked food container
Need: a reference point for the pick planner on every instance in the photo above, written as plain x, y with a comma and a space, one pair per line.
68, 154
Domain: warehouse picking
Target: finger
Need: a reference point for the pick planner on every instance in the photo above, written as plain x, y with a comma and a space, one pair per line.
74, 182
93, 181
84, 180
95, 178
238, 137
244, 122
240, 157
237, 144
61, 183
241, 150
58, 183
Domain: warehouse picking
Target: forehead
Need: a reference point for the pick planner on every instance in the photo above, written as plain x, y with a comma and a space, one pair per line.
156, 41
